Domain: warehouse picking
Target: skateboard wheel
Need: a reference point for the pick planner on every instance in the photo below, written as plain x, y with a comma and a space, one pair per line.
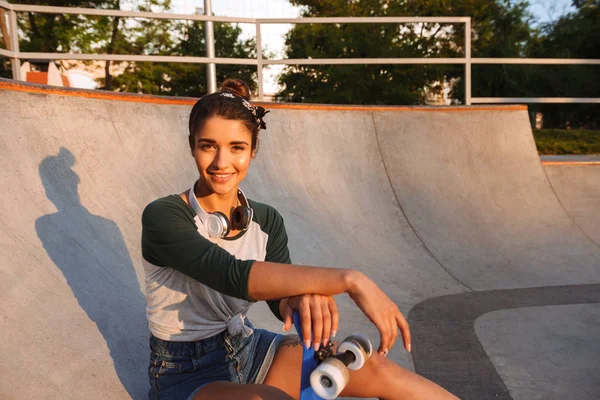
358, 345
329, 378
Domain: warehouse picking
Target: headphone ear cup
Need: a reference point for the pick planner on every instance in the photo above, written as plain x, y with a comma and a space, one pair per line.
217, 225
241, 218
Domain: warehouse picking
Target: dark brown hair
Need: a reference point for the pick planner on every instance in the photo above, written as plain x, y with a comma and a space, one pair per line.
215, 105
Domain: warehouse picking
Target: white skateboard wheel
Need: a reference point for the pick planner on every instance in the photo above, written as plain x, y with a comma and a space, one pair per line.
329, 378
359, 346
364, 343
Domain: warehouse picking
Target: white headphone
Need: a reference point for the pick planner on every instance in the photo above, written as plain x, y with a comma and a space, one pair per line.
217, 224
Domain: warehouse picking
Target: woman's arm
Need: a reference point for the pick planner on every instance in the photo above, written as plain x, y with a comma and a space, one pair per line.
269, 280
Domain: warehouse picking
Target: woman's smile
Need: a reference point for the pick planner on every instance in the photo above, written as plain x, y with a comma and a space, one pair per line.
218, 177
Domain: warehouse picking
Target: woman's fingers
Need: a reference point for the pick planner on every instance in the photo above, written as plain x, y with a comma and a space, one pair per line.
388, 332
393, 321
317, 321
288, 317
335, 316
404, 330
326, 315
383, 334
388, 328
305, 322
319, 318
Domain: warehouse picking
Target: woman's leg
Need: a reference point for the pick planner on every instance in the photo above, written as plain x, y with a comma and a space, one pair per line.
379, 378
230, 390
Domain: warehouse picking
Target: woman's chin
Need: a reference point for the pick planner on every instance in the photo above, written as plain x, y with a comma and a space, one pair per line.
222, 189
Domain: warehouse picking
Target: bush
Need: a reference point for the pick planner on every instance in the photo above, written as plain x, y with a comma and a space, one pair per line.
572, 141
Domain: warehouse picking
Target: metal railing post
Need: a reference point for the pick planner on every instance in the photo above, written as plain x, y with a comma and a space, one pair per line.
209, 37
14, 44
259, 65
468, 62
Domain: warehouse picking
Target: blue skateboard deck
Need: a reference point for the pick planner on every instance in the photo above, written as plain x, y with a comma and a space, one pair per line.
309, 363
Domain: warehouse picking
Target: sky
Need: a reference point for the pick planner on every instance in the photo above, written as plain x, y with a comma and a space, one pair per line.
550, 10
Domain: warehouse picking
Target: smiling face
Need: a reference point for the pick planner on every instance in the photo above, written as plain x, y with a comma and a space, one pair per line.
223, 151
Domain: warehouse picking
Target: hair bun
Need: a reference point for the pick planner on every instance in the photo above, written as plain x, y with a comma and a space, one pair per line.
236, 86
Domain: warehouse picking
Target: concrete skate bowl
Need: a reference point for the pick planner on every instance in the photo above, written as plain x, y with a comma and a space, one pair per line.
449, 210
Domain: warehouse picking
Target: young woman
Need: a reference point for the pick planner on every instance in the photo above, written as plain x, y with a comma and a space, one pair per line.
210, 252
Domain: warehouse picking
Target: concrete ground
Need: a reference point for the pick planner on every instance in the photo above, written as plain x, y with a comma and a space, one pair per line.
492, 256
588, 159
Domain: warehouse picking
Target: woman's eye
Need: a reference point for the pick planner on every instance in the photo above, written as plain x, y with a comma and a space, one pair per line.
239, 148
206, 146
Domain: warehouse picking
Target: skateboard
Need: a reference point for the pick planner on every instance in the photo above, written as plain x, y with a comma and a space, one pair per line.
324, 374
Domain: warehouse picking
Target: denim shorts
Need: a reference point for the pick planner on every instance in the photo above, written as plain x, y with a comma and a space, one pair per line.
179, 369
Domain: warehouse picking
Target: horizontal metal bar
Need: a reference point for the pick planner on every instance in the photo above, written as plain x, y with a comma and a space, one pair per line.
354, 61
540, 100
557, 61
124, 57
360, 20
7, 53
127, 14
140, 14
252, 61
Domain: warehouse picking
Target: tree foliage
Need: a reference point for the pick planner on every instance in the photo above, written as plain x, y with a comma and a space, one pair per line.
114, 35
575, 35
49, 33
185, 79
500, 28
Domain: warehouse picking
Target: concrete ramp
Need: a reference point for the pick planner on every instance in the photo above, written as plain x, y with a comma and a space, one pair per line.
578, 189
472, 185
448, 210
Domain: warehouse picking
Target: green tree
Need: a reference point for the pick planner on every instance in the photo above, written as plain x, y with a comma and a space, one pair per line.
181, 79
138, 36
61, 33
49, 33
500, 28
575, 35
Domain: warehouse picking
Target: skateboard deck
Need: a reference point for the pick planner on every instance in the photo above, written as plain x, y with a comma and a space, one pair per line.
309, 363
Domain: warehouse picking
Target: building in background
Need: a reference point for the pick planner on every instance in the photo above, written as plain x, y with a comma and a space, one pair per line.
45, 72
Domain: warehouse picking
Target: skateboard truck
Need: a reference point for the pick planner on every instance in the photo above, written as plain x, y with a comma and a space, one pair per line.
324, 352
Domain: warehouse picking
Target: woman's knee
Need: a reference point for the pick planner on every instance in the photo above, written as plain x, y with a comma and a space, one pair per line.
228, 390
266, 392
380, 365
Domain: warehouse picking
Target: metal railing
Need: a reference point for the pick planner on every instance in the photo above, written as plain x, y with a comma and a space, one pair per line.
16, 56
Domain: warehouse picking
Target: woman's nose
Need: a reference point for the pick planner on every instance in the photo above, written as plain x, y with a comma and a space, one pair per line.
221, 161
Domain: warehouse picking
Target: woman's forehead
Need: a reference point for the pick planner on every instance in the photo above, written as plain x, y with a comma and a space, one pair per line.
217, 128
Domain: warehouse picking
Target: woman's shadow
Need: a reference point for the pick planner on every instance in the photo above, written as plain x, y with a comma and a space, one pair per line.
91, 253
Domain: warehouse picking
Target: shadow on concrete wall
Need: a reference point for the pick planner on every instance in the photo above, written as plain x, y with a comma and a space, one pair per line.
91, 253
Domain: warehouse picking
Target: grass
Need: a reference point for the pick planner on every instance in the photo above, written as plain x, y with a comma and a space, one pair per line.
562, 141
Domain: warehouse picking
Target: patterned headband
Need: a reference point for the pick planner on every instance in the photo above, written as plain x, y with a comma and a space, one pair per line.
258, 112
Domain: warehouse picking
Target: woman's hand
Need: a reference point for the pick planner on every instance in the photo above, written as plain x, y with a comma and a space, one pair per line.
381, 310
318, 314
